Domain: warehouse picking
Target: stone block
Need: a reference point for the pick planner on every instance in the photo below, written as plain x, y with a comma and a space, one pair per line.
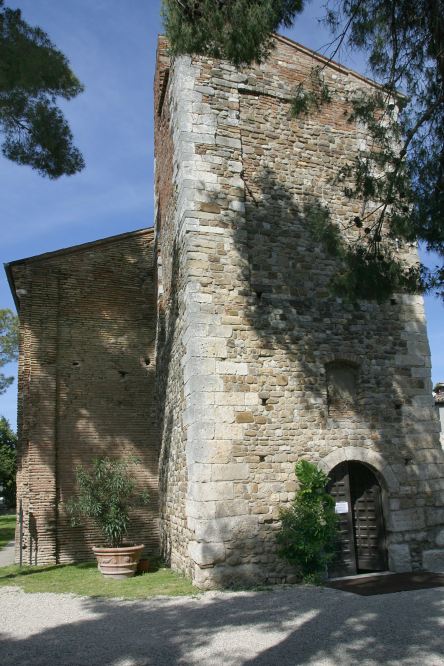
220, 331
200, 510
229, 143
439, 539
195, 413
206, 553
201, 430
207, 347
407, 519
229, 430
399, 557
230, 398
251, 399
238, 206
214, 451
203, 383
244, 417
194, 330
243, 575
224, 414
434, 516
232, 528
230, 472
199, 472
231, 368
433, 560
236, 507
200, 399
214, 490
210, 208
233, 560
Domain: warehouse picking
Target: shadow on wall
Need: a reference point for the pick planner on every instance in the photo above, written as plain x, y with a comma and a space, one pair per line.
105, 379
302, 325
296, 627
295, 326
168, 376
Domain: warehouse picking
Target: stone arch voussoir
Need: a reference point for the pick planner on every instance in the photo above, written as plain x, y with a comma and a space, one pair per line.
368, 457
345, 358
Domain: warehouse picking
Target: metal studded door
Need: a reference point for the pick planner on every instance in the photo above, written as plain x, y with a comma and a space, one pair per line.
357, 495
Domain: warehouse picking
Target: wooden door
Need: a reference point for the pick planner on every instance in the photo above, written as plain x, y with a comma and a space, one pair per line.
368, 524
344, 563
362, 545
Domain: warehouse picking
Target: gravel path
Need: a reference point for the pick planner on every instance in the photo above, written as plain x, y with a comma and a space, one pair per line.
7, 554
299, 626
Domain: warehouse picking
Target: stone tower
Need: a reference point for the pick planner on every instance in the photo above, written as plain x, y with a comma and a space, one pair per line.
258, 364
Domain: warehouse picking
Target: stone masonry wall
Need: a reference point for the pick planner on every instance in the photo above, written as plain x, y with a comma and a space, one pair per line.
170, 252
258, 325
86, 385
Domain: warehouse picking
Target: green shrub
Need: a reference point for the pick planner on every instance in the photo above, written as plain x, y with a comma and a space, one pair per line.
106, 495
309, 529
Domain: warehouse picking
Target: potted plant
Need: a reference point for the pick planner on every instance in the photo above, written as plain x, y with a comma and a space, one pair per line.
106, 495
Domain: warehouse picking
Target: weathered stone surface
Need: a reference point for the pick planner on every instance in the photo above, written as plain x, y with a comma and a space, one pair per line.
439, 540
230, 472
245, 575
254, 276
407, 519
244, 417
234, 528
219, 490
206, 553
399, 557
433, 560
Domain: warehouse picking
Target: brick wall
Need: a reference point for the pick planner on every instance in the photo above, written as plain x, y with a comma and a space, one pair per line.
86, 385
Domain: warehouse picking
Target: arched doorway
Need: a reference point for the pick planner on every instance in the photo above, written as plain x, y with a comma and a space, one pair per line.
357, 493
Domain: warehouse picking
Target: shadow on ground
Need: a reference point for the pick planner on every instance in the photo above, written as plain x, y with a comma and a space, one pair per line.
297, 627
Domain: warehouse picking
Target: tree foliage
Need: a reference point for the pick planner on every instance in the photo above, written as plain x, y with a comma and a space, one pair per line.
33, 74
308, 529
106, 494
239, 30
398, 176
8, 462
9, 343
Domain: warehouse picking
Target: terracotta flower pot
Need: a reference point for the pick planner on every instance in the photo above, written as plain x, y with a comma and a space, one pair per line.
118, 562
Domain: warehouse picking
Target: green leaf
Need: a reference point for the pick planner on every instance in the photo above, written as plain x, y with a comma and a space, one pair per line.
308, 530
106, 495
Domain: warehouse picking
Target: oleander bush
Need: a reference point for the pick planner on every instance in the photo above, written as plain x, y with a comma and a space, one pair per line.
107, 496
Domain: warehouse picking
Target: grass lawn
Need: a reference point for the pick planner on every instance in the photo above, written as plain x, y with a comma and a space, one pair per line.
86, 580
7, 529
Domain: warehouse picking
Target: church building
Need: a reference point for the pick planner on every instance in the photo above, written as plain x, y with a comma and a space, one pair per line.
212, 347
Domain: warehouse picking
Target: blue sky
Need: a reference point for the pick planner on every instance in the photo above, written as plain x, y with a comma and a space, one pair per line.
111, 46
